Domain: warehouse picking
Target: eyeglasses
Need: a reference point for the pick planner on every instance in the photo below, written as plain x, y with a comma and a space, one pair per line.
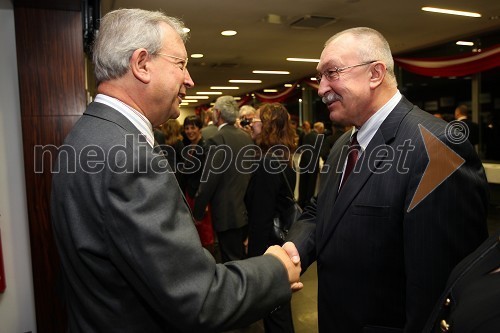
183, 64
334, 74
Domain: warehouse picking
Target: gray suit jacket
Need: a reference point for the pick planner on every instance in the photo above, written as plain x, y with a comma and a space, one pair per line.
381, 267
225, 179
131, 257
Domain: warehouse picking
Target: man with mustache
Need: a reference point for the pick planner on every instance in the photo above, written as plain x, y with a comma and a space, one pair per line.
382, 258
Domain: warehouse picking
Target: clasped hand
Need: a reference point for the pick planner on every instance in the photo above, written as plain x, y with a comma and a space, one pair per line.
289, 257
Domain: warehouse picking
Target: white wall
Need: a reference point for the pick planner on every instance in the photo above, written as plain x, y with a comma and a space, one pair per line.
17, 306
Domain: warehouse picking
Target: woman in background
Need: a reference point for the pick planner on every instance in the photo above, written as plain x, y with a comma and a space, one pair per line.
194, 160
268, 192
172, 147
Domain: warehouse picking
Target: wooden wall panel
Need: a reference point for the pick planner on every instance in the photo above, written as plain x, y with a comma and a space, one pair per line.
52, 98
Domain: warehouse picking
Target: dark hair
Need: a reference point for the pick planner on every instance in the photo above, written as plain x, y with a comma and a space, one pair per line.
193, 120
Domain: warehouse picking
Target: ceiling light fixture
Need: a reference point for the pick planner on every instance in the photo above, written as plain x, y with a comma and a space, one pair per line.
270, 72
302, 59
224, 88
288, 85
450, 11
461, 42
209, 93
196, 97
245, 81
186, 30
270, 90
196, 55
228, 33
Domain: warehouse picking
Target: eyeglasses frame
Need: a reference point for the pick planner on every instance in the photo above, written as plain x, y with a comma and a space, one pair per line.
184, 65
335, 72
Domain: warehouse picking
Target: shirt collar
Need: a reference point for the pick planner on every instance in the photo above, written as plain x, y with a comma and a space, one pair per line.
135, 117
371, 126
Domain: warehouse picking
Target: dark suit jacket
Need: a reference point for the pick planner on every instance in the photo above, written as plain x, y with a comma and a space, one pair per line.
380, 266
209, 131
131, 257
471, 299
225, 180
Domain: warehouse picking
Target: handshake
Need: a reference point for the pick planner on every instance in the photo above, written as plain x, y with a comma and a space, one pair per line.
289, 257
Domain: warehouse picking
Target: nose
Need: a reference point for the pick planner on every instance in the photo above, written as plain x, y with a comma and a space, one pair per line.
323, 88
188, 81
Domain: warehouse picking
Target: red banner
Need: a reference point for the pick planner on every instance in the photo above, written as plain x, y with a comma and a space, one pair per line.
453, 66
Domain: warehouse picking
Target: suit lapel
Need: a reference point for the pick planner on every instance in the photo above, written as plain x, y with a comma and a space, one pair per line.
336, 204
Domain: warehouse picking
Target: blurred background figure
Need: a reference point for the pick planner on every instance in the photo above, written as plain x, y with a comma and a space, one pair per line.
329, 141
462, 114
194, 155
309, 162
172, 147
268, 190
209, 129
245, 116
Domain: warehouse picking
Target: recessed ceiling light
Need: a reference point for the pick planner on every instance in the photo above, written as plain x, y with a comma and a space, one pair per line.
302, 59
288, 85
237, 98
245, 81
270, 90
196, 97
228, 33
186, 30
189, 100
196, 55
224, 88
450, 11
461, 42
209, 93
314, 79
270, 72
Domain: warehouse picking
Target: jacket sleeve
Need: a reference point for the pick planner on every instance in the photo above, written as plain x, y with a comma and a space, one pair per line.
153, 243
303, 235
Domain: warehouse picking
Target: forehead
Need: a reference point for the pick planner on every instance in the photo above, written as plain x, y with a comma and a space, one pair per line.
338, 53
171, 39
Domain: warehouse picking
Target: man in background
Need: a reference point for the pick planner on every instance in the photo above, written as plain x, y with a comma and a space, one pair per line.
224, 183
472, 129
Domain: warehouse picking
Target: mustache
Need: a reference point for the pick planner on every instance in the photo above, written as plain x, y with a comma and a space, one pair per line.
330, 97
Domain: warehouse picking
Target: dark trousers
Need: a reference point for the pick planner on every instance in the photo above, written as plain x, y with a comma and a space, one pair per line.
231, 243
280, 321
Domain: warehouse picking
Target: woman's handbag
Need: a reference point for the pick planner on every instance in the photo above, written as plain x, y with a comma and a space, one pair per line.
284, 221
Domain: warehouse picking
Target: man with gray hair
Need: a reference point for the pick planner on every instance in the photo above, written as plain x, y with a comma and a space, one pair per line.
224, 181
130, 254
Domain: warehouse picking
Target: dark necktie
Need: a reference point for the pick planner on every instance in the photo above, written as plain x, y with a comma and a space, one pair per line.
352, 157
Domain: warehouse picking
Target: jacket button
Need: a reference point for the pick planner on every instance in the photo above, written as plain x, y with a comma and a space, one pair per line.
447, 302
445, 327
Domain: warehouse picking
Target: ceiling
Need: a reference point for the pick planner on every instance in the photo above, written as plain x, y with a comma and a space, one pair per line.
266, 38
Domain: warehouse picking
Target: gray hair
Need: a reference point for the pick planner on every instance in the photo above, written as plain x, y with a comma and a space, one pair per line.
372, 45
123, 31
228, 108
246, 110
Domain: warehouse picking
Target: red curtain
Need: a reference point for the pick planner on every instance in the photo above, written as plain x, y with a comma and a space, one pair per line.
453, 66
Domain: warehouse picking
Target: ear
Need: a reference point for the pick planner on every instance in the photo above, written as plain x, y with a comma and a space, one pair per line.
377, 72
140, 65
